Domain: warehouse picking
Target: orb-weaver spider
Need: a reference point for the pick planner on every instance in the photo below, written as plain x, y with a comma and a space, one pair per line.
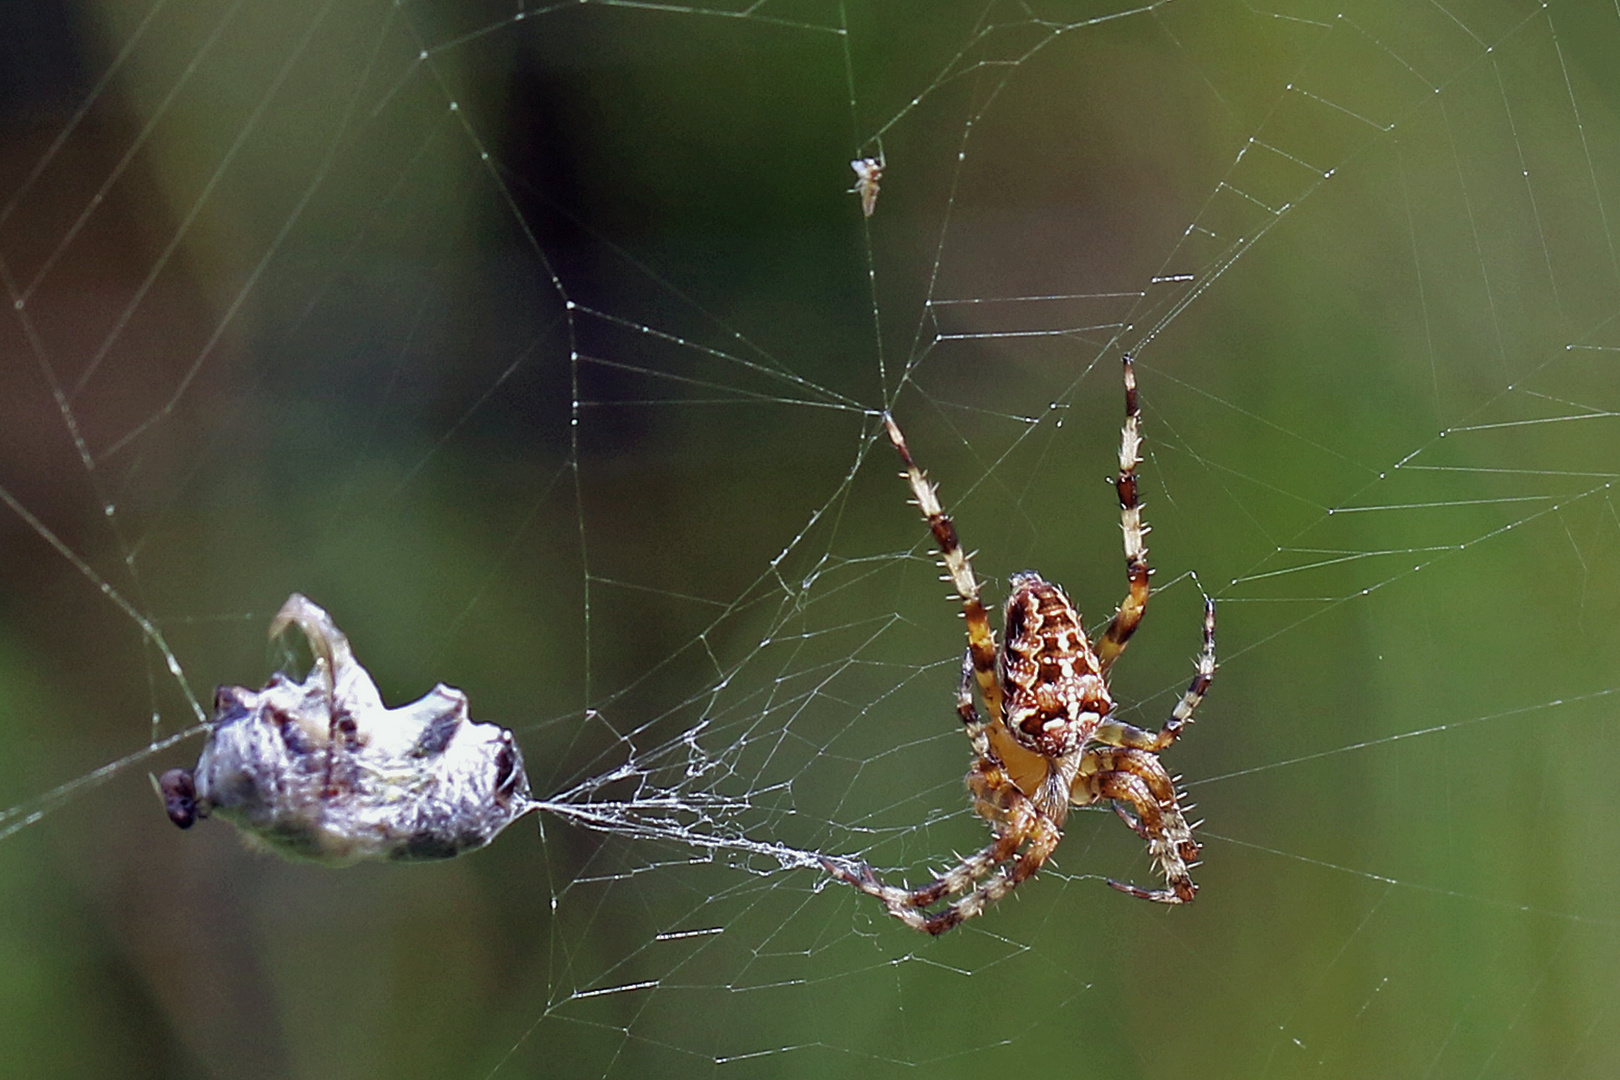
1050, 741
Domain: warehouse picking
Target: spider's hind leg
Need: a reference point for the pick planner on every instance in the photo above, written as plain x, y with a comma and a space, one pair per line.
1025, 823
980, 879
1135, 777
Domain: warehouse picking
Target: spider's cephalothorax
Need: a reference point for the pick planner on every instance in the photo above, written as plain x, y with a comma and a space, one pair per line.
1051, 741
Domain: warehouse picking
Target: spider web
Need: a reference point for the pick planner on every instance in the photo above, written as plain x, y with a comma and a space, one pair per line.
545, 348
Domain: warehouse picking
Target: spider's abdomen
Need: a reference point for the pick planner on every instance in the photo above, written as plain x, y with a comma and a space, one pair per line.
1050, 676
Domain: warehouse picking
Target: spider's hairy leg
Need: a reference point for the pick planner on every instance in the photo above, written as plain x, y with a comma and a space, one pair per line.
1170, 841
1013, 815
1147, 768
1125, 620
981, 639
1115, 733
1022, 822
1043, 836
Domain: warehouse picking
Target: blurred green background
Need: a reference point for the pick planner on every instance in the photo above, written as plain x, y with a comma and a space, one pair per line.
544, 348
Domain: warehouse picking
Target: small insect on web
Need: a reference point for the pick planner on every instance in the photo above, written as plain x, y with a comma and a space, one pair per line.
322, 770
1051, 741
868, 175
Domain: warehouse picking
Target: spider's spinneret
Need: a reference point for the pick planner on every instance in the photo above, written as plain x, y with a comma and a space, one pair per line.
1051, 679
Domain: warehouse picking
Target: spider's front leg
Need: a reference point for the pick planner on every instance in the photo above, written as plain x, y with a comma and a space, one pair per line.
1129, 616
981, 639
1117, 733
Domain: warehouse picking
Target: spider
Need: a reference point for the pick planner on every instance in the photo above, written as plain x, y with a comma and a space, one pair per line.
1051, 740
